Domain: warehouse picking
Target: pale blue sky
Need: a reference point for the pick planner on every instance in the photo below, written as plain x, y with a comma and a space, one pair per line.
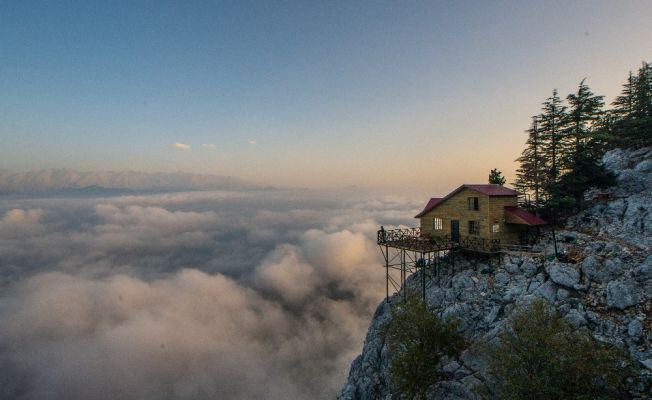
416, 94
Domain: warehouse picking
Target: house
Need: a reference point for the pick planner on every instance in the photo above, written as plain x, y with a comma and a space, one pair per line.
473, 213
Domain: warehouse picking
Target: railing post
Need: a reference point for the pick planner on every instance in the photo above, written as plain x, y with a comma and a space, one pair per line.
403, 272
423, 279
387, 273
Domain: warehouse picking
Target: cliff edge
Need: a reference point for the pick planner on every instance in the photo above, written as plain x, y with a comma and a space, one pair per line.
605, 284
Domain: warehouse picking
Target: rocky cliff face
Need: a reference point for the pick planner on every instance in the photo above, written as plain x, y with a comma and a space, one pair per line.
605, 284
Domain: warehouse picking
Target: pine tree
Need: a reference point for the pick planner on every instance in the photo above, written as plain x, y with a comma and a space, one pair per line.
554, 140
633, 110
642, 112
643, 93
531, 174
603, 134
624, 104
584, 113
496, 177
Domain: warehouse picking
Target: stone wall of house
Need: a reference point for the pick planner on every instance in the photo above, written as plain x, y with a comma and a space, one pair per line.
490, 209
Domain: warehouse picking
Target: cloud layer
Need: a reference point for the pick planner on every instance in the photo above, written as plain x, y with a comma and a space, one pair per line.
190, 295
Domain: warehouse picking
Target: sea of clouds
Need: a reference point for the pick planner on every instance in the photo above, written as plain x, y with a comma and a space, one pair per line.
222, 295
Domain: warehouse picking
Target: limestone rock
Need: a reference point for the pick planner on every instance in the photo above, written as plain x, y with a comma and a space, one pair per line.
644, 271
635, 328
576, 318
564, 275
623, 294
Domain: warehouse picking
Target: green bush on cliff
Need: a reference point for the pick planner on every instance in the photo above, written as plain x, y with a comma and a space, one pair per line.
417, 340
542, 356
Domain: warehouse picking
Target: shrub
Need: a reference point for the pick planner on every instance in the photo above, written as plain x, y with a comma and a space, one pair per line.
417, 340
541, 356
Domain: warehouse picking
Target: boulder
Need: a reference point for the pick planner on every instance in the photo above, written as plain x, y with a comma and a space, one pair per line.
529, 268
644, 166
644, 271
501, 278
635, 328
564, 275
647, 363
547, 291
576, 318
511, 268
623, 294
594, 270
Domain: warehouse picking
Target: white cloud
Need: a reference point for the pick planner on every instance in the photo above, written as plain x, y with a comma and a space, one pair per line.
180, 146
208, 146
252, 142
17, 222
188, 295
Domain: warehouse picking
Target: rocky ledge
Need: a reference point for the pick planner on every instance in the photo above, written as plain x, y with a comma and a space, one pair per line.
604, 284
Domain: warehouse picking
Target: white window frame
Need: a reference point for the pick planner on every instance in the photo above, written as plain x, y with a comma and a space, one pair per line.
495, 227
437, 224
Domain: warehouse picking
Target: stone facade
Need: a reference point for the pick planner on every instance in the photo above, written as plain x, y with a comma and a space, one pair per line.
491, 210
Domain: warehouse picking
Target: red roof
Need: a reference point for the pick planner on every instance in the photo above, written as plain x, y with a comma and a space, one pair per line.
528, 217
491, 190
432, 203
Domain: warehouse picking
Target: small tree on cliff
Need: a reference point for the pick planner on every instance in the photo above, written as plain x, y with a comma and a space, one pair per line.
417, 340
541, 356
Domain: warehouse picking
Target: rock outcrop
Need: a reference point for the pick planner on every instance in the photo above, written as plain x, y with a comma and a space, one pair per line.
604, 285
627, 215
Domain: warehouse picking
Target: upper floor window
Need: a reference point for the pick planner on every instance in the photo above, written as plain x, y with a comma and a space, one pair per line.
473, 203
437, 224
474, 227
495, 228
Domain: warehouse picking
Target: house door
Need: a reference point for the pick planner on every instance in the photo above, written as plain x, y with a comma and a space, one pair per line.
455, 230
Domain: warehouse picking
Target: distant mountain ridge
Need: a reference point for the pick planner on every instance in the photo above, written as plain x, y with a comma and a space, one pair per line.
47, 180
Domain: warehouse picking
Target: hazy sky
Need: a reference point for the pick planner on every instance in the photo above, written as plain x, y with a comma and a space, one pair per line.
426, 94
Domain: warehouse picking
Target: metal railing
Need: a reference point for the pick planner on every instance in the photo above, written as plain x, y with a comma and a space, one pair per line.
414, 239
397, 235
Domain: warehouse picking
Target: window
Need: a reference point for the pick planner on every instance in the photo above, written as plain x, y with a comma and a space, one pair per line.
473, 203
437, 224
474, 227
495, 228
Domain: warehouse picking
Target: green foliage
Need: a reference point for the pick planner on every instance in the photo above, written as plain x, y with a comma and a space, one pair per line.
566, 142
567, 195
541, 356
554, 138
531, 174
496, 177
585, 111
417, 340
631, 123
